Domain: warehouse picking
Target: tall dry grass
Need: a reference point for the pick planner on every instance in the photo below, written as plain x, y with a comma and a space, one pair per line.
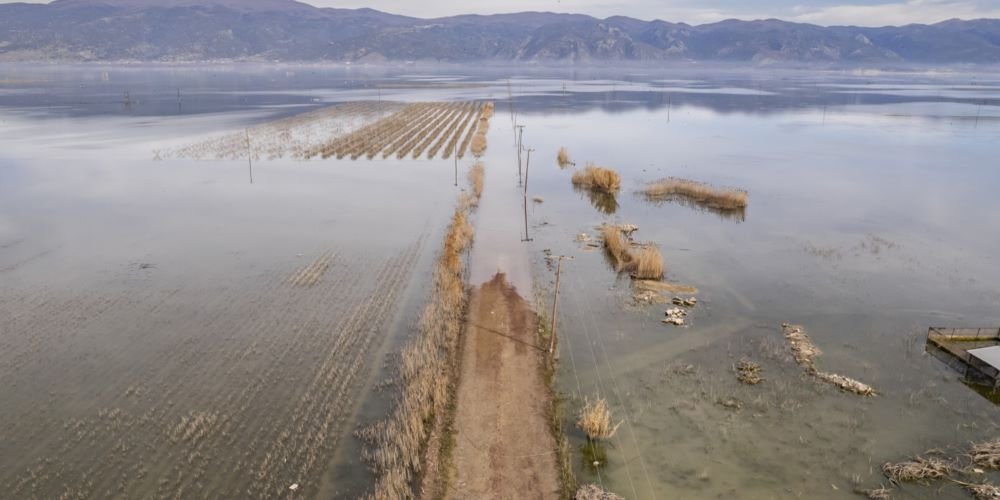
595, 420
647, 263
644, 262
698, 192
599, 178
476, 175
428, 373
478, 146
616, 245
563, 158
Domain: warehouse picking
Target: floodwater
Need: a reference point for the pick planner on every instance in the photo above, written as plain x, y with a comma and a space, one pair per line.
171, 329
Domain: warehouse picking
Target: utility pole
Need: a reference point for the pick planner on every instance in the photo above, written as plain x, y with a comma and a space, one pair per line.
555, 306
456, 170
526, 236
249, 156
520, 147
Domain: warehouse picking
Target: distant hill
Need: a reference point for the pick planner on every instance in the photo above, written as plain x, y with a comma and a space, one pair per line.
285, 30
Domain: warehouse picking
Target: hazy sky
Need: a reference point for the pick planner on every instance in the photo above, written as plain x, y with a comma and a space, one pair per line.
826, 12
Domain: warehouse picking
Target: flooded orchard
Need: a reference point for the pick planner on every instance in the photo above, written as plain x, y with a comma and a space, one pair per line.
213, 280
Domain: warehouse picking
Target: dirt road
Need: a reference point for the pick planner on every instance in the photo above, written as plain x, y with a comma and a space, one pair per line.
503, 446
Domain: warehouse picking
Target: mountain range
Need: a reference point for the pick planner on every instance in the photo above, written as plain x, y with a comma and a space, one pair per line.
290, 31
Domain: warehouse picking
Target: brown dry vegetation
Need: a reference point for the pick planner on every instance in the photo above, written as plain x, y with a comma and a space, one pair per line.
643, 262
598, 178
476, 175
478, 146
595, 420
918, 469
647, 263
986, 454
294, 137
563, 158
428, 372
697, 192
430, 127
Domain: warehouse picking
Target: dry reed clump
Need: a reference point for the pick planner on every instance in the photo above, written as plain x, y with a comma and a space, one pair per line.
487, 110
647, 263
703, 194
616, 244
476, 175
598, 178
918, 469
595, 420
427, 374
594, 492
748, 372
644, 262
478, 146
986, 454
563, 158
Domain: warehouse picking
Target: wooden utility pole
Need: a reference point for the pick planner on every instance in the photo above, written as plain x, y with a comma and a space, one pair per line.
520, 147
555, 307
249, 156
526, 236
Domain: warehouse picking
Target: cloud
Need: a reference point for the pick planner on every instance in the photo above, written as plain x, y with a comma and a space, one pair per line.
897, 13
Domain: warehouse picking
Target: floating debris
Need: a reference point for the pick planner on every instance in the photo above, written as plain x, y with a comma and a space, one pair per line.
918, 469
881, 493
538, 199
805, 353
731, 403
748, 372
846, 383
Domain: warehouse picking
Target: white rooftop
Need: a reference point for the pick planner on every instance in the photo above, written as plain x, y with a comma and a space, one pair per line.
988, 355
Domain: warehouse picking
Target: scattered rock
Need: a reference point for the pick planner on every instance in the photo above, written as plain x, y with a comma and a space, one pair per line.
675, 316
678, 301
294, 487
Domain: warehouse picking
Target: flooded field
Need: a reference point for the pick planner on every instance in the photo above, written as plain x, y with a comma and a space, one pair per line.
207, 276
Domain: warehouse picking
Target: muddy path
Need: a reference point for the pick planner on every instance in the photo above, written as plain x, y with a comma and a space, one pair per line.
503, 446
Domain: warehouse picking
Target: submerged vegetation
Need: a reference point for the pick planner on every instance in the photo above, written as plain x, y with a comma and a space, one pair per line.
697, 192
598, 179
918, 469
595, 420
748, 372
